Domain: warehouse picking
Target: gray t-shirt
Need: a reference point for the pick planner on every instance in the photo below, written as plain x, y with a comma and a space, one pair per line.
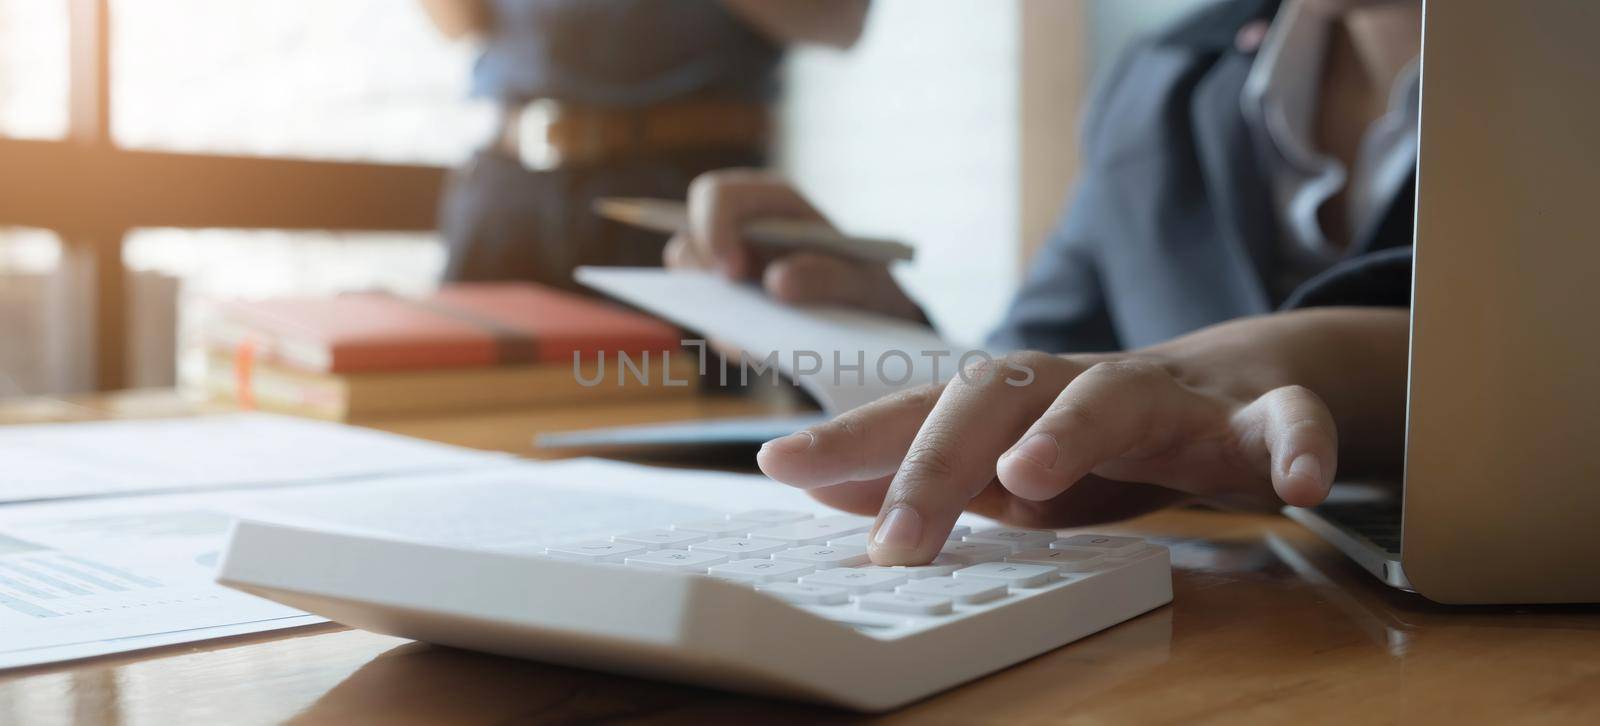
622, 52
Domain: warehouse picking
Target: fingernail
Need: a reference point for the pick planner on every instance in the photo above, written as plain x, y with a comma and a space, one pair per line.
1040, 448
1306, 466
791, 444
901, 529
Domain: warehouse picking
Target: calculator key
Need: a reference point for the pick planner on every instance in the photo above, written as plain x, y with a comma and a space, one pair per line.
855, 580
959, 531
804, 594
656, 538
769, 517
824, 557
595, 551
738, 548
971, 553
966, 591
761, 571
940, 567
718, 527
1015, 538
858, 539
676, 560
1075, 560
1013, 574
1110, 546
815, 531
911, 603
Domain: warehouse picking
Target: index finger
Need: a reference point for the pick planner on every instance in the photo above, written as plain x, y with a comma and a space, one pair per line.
953, 456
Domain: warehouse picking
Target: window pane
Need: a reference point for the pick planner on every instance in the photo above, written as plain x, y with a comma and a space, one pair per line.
33, 69
261, 263
28, 251
41, 329
354, 79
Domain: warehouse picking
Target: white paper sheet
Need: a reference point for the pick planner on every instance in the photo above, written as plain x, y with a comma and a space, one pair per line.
105, 458
743, 316
106, 576
744, 430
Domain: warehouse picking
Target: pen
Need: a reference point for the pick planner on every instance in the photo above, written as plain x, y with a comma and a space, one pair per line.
670, 217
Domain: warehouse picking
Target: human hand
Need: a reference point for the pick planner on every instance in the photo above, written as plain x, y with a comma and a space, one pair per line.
721, 202
1050, 441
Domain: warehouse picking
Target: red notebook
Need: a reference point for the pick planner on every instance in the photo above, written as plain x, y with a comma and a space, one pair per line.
460, 326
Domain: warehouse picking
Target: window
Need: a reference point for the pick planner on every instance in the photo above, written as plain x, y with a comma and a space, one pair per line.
354, 79
232, 131
33, 69
36, 348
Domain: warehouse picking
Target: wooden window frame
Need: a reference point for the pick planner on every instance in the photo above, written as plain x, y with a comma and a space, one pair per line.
91, 193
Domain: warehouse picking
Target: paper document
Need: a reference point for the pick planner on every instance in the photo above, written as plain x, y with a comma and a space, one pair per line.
104, 458
740, 431
103, 576
842, 357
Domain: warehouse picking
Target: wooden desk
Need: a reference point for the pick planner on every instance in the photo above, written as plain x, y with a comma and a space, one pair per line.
1267, 624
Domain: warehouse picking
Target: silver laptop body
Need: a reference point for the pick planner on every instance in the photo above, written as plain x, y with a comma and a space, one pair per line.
1501, 499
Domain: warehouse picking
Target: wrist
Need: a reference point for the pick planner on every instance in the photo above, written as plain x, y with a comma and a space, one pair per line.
1354, 359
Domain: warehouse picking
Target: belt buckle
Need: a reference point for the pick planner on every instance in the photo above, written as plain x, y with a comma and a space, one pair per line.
534, 147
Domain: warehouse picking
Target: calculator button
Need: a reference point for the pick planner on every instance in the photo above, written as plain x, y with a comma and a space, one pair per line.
971, 553
911, 603
1075, 560
1013, 574
825, 556
959, 531
940, 567
858, 539
815, 531
596, 551
761, 571
855, 580
738, 548
718, 527
1111, 546
804, 594
1015, 538
769, 517
966, 591
654, 538
676, 560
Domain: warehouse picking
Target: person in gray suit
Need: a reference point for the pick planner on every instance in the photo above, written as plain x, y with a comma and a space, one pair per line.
1220, 313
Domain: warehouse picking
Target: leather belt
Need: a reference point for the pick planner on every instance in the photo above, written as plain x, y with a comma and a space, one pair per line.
547, 134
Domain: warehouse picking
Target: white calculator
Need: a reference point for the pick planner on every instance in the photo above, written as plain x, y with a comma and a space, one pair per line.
765, 601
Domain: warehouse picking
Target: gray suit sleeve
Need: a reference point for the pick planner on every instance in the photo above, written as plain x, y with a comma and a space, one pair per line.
1061, 307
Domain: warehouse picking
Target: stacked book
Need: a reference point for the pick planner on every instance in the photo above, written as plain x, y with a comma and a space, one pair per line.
466, 347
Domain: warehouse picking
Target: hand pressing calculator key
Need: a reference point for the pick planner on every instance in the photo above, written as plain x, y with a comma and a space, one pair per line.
763, 601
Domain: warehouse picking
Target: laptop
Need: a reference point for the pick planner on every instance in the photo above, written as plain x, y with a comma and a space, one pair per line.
1501, 498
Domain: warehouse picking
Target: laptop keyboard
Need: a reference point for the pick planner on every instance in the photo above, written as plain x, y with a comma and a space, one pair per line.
821, 562
1378, 522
